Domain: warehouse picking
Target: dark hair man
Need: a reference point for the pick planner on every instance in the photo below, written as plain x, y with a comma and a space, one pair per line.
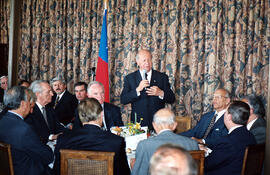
63, 102
29, 155
256, 123
226, 156
92, 137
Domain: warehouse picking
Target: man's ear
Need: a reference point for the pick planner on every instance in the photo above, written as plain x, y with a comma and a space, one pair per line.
174, 125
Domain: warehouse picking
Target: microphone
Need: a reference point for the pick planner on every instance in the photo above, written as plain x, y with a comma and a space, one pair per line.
143, 74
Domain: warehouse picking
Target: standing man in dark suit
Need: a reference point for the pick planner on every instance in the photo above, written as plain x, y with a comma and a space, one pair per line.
92, 137
112, 114
164, 124
43, 119
256, 123
211, 125
63, 102
146, 89
29, 155
226, 156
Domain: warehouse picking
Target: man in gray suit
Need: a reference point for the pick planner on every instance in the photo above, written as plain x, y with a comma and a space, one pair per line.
164, 123
256, 123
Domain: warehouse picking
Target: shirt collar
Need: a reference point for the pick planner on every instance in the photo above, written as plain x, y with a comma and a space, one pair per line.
220, 114
163, 130
149, 74
233, 128
61, 95
16, 114
249, 125
39, 106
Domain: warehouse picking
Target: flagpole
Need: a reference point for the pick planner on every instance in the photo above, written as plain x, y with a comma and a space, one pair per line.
106, 4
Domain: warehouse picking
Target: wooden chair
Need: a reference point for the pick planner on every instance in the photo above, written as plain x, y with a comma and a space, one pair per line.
76, 162
198, 156
183, 123
6, 166
253, 160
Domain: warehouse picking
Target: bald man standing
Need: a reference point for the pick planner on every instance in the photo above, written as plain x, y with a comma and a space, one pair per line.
146, 89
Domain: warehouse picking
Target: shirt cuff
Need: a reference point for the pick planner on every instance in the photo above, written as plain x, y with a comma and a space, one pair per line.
138, 93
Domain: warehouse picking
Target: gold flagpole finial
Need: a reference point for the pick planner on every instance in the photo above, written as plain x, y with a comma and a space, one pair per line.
106, 3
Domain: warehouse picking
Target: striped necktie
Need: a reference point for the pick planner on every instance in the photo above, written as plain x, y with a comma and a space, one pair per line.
213, 120
45, 115
56, 101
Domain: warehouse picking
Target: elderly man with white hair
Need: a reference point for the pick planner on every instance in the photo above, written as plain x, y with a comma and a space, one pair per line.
164, 123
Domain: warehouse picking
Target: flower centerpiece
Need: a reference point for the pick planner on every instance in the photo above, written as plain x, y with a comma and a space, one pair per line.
132, 132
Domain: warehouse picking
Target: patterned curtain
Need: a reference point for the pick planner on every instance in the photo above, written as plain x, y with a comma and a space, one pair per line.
200, 44
4, 21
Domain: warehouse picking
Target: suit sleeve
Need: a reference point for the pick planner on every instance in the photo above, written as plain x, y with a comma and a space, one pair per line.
259, 134
221, 155
142, 161
128, 94
117, 117
169, 96
123, 164
35, 148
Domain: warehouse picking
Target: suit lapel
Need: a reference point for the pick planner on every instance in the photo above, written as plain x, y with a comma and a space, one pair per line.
138, 77
153, 81
39, 116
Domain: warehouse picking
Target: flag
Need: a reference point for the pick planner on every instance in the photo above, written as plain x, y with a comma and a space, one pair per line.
102, 72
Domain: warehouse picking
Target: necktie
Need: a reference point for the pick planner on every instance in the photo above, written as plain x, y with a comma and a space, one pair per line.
56, 101
212, 122
146, 76
45, 115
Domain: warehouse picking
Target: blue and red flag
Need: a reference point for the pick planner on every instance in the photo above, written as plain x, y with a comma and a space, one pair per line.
102, 73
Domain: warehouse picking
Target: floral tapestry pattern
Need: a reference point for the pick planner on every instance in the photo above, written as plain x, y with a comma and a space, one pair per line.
201, 45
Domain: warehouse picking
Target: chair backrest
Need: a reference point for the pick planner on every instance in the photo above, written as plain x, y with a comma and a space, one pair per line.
6, 166
253, 160
183, 123
198, 156
76, 162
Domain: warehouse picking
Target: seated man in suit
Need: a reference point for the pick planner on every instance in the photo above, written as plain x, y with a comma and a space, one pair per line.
226, 156
256, 123
112, 114
63, 102
29, 155
164, 123
147, 90
43, 119
173, 160
211, 125
92, 137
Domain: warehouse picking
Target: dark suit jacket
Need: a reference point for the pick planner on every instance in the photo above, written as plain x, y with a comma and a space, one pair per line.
218, 130
91, 137
37, 121
29, 155
228, 154
112, 117
258, 129
147, 147
65, 108
145, 106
